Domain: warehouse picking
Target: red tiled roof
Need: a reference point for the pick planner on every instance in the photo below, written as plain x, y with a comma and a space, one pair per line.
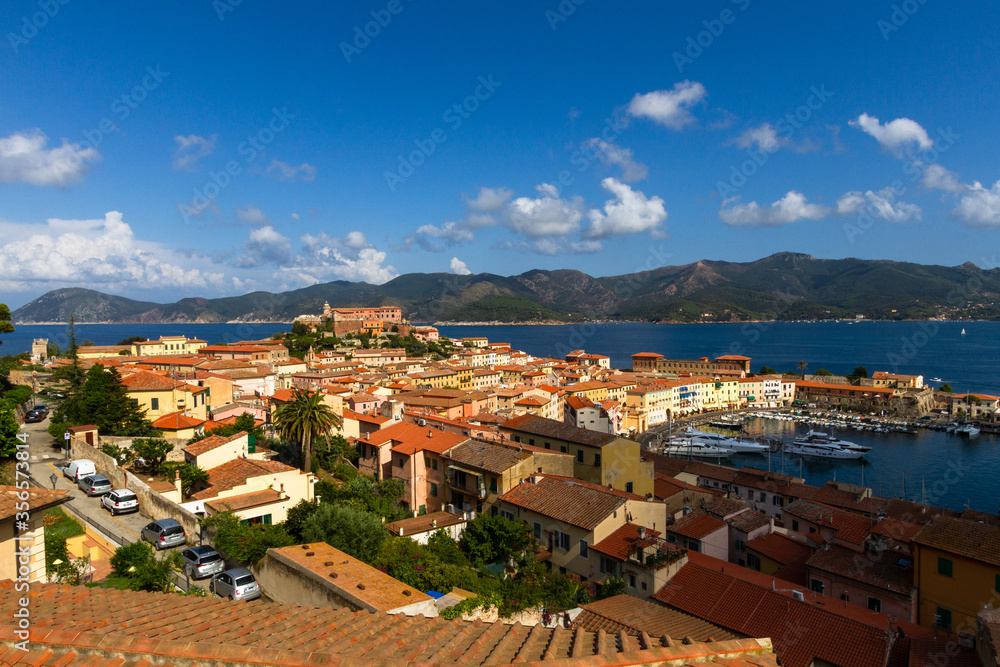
145, 381
38, 499
696, 525
211, 442
624, 613
779, 548
888, 570
177, 421
235, 473
407, 438
569, 500
847, 527
619, 543
244, 501
977, 541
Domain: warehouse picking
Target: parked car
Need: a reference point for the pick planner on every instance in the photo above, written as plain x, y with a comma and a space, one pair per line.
95, 485
236, 584
78, 469
120, 501
199, 562
34, 416
164, 534
41, 407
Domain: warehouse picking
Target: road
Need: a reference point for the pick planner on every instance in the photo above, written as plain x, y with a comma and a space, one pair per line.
47, 460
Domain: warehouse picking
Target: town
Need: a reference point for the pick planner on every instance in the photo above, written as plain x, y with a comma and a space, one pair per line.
273, 454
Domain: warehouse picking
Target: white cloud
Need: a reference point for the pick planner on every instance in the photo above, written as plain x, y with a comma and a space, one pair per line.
25, 159
192, 148
327, 258
879, 205
490, 199
765, 136
356, 240
547, 215
630, 212
288, 172
551, 246
459, 267
897, 135
251, 215
264, 246
479, 220
788, 209
102, 254
670, 108
296, 216
609, 153
937, 177
979, 206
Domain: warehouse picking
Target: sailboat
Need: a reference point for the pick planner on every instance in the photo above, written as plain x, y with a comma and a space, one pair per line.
963, 331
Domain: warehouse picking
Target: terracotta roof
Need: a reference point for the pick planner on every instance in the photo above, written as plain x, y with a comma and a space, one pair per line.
970, 539
145, 381
38, 499
235, 473
244, 500
177, 421
619, 544
569, 500
721, 508
779, 548
407, 438
633, 616
424, 523
889, 570
847, 527
901, 531
549, 428
74, 626
211, 442
749, 521
486, 455
696, 525
803, 633
665, 486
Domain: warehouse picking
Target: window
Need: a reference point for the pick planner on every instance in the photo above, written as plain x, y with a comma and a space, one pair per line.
631, 581
434, 489
763, 496
562, 540
434, 464
400, 463
694, 546
584, 549
597, 460
507, 514
874, 604
628, 487
579, 456
945, 567
816, 585
753, 562
531, 442
741, 545
644, 585
154, 403
493, 484
779, 501
562, 448
795, 525
609, 566
942, 618
538, 531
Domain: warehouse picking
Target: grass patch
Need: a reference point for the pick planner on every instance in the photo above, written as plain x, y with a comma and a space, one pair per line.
113, 581
59, 525
7, 474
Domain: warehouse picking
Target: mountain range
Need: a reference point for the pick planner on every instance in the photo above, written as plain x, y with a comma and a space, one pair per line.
783, 286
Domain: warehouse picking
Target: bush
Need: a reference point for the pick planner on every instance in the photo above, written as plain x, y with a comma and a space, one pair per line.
353, 531
137, 564
490, 539
247, 543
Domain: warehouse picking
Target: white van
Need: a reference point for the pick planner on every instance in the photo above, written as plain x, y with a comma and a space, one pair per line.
77, 470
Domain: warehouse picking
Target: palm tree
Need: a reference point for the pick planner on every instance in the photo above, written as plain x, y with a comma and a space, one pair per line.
802, 367
304, 418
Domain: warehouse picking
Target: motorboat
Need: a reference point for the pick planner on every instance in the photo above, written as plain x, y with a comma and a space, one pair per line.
968, 431
817, 438
726, 442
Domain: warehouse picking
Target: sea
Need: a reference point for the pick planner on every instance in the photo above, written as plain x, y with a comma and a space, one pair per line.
931, 466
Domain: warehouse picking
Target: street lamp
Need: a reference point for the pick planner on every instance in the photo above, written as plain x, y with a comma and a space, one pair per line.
53, 478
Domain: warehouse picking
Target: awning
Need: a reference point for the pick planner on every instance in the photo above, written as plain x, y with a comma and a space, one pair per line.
452, 466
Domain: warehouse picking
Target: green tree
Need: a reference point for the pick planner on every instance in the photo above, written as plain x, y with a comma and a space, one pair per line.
122, 455
767, 370
104, 400
946, 388
247, 543
5, 326
822, 372
191, 476
69, 378
858, 373
153, 452
304, 418
351, 530
612, 586
8, 431
138, 565
132, 339
297, 516
802, 366
489, 539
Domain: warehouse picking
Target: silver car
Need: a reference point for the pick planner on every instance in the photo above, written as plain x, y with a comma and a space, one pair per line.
120, 501
164, 534
199, 562
95, 485
236, 584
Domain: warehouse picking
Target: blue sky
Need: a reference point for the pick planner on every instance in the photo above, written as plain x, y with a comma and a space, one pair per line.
217, 148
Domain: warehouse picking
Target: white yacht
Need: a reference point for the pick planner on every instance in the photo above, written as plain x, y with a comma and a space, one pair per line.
726, 442
817, 438
968, 431
822, 451
681, 447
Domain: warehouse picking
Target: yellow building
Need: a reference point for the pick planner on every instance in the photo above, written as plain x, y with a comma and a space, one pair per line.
956, 571
24, 549
160, 395
168, 345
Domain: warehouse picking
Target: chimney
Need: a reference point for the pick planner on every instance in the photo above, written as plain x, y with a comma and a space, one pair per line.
430, 433
641, 532
177, 480
434, 523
